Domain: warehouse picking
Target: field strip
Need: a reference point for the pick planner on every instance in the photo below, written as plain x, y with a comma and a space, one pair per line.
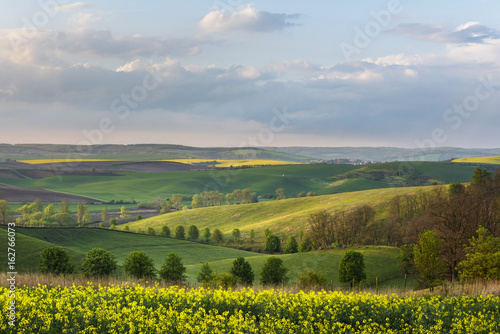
54, 161
480, 160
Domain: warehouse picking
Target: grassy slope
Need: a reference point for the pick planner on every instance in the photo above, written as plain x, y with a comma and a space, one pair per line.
284, 216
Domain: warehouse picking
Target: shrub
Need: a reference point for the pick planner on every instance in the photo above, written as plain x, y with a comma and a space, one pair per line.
291, 246
274, 272
55, 260
139, 265
165, 231
352, 267
98, 263
217, 236
206, 274
273, 244
309, 279
179, 232
173, 270
151, 231
242, 270
193, 233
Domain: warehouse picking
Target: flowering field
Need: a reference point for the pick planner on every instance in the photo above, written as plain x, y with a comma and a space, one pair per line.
137, 309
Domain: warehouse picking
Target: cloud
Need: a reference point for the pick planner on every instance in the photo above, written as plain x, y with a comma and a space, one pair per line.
72, 7
247, 19
470, 32
82, 20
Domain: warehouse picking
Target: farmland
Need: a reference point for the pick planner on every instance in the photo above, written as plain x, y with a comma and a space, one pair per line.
479, 160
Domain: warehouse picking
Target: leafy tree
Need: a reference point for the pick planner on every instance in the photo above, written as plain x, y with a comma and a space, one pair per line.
206, 274
292, 245
4, 211
55, 260
139, 265
230, 198
177, 201
273, 244
207, 234
173, 270
101, 225
252, 236
322, 228
64, 207
126, 228
301, 194
267, 232
405, 259
166, 207
480, 177
309, 278
165, 231
281, 193
242, 270
151, 231
138, 230
306, 245
98, 263
80, 213
427, 257
236, 235
193, 233
49, 210
139, 217
217, 236
274, 272
124, 213
197, 202
113, 223
105, 214
482, 257
226, 281
179, 232
352, 267
87, 217
456, 188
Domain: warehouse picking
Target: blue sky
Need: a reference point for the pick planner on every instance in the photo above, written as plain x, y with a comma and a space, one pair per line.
262, 73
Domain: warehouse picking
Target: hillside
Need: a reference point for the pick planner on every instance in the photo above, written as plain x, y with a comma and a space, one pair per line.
286, 217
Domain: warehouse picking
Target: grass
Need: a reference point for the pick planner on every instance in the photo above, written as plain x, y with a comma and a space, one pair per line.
283, 217
480, 160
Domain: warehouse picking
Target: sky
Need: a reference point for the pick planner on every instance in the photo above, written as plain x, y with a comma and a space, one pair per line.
235, 73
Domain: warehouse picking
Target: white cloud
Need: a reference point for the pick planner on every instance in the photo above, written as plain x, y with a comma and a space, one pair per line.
246, 19
72, 7
83, 20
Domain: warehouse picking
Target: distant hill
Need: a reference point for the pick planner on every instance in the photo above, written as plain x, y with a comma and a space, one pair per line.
386, 154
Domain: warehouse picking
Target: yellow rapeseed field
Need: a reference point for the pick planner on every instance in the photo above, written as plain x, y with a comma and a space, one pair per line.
54, 161
480, 160
234, 163
136, 309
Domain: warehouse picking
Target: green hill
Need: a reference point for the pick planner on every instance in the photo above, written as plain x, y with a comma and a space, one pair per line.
285, 217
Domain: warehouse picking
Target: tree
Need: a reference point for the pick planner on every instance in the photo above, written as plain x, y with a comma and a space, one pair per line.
273, 272
105, 215
236, 235
166, 207
64, 208
306, 245
173, 270
98, 263
49, 210
229, 198
139, 265
456, 188
292, 245
55, 260
242, 270
427, 257
482, 257
87, 217
252, 236
151, 231
405, 259
112, 223
80, 214
352, 267
321, 227
139, 217
273, 244
197, 202
267, 232
177, 201
480, 177
281, 193
206, 274
165, 231
217, 236
126, 228
193, 233
179, 232
207, 234
124, 213
4, 211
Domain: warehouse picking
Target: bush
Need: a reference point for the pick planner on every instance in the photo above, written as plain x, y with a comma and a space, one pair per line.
139, 265
165, 231
151, 231
217, 236
306, 245
226, 281
352, 267
179, 232
98, 263
193, 233
55, 260
173, 270
139, 217
291, 246
242, 270
274, 272
206, 274
309, 279
273, 244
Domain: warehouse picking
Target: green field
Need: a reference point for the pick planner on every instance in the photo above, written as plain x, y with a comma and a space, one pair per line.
380, 261
322, 179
